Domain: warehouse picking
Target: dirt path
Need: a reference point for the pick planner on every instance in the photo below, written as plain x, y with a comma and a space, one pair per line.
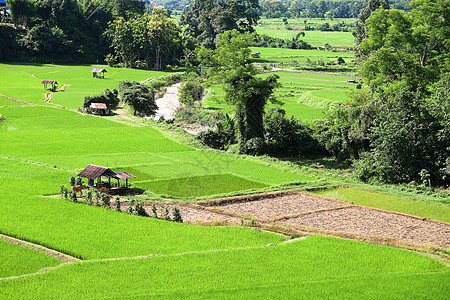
168, 103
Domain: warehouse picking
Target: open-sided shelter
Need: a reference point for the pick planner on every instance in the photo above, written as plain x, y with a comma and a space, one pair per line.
93, 172
53, 84
96, 71
124, 175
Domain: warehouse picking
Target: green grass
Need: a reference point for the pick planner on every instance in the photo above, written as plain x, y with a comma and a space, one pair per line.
315, 38
389, 202
22, 81
42, 146
317, 267
197, 186
18, 260
299, 23
92, 232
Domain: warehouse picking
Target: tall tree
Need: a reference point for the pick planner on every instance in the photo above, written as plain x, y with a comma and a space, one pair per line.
247, 92
21, 11
205, 19
407, 62
360, 31
164, 36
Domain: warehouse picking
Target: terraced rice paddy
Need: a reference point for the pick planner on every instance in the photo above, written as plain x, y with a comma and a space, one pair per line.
124, 255
305, 95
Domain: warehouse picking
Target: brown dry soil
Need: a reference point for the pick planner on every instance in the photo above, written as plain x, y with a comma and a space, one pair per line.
302, 213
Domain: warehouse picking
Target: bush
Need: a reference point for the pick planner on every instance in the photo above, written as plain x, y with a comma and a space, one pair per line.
254, 146
222, 137
73, 196
109, 98
72, 181
191, 92
176, 215
79, 181
138, 96
64, 192
88, 196
287, 136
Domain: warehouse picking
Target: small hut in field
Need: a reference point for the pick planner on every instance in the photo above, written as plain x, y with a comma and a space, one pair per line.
97, 71
51, 83
126, 176
93, 172
100, 109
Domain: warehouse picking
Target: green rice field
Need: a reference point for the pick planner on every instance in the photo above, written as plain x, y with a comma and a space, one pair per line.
306, 96
127, 256
389, 202
23, 81
278, 55
316, 267
315, 38
18, 260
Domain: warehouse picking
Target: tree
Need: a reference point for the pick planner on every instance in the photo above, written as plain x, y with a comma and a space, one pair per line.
21, 11
143, 35
164, 36
206, 19
407, 62
360, 31
248, 93
138, 96
126, 8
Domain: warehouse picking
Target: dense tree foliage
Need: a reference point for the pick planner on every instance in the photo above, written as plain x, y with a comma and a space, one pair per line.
139, 96
153, 38
230, 63
110, 98
400, 133
206, 19
287, 136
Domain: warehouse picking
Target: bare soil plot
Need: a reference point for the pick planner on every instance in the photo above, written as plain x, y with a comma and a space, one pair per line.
281, 206
311, 213
305, 213
364, 221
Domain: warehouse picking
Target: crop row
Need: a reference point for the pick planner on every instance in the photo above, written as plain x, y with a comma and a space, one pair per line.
315, 267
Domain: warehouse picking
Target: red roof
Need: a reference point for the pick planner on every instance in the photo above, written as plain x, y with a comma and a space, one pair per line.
98, 70
48, 82
99, 105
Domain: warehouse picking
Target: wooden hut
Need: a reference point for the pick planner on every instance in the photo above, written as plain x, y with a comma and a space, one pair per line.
124, 175
97, 71
93, 172
100, 109
53, 84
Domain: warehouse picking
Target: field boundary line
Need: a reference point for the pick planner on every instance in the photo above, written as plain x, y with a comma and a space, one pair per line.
193, 252
35, 163
37, 247
41, 271
15, 99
